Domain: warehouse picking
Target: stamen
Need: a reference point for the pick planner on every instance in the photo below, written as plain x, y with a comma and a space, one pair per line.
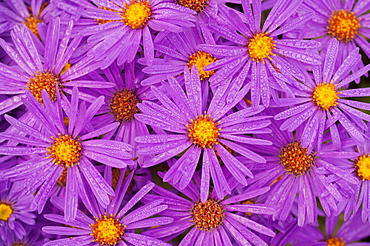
137, 13
343, 25
325, 96
196, 5
43, 81
31, 22
335, 241
203, 131
107, 230
362, 165
202, 59
123, 105
296, 159
65, 151
5, 211
260, 47
208, 215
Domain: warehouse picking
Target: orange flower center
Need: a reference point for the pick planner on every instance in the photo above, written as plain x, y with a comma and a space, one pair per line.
343, 25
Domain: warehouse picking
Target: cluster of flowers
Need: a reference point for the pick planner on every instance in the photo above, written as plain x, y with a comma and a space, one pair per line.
184, 122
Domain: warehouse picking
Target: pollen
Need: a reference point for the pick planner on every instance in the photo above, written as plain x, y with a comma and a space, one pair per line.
261, 47
43, 81
123, 105
343, 25
208, 215
137, 13
325, 96
5, 211
203, 131
296, 159
31, 22
202, 59
335, 241
196, 5
362, 165
107, 230
65, 150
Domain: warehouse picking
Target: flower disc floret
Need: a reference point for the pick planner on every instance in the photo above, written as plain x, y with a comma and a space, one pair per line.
196, 5
208, 215
362, 165
31, 22
325, 96
43, 81
202, 59
123, 105
203, 131
335, 241
261, 47
296, 159
65, 150
136, 14
107, 230
343, 25
5, 211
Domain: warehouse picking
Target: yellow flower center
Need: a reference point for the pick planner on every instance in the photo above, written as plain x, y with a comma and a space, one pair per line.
325, 95
5, 211
123, 105
208, 215
203, 131
362, 165
335, 241
296, 159
196, 5
260, 47
65, 151
202, 59
31, 22
43, 81
343, 25
107, 230
136, 14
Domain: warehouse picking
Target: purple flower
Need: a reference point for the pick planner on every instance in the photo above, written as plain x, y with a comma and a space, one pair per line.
57, 150
116, 29
212, 222
120, 104
114, 225
274, 63
346, 21
14, 211
36, 72
198, 128
292, 169
180, 51
322, 101
348, 233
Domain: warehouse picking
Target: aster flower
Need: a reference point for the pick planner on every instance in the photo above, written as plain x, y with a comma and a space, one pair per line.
180, 51
116, 29
346, 21
198, 128
14, 214
212, 222
348, 233
292, 169
120, 104
322, 101
37, 72
272, 62
114, 225
30, 13
57, 149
